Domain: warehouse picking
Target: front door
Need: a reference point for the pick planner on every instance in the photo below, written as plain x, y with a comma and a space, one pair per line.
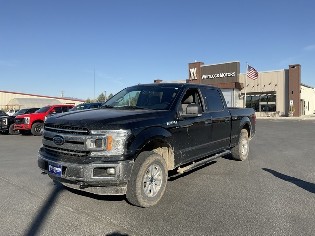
194, 139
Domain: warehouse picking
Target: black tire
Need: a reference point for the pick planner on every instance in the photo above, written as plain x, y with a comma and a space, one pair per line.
37, 128
148, 180
241, 150
12, 130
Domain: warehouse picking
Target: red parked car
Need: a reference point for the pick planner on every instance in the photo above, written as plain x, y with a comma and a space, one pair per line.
34, 122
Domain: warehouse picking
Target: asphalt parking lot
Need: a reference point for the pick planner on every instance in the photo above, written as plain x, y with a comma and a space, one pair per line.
273, 193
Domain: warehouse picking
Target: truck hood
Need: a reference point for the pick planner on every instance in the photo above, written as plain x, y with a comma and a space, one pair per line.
31, 115
110, 118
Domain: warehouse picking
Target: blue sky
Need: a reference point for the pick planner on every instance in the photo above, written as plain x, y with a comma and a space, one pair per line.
51, 46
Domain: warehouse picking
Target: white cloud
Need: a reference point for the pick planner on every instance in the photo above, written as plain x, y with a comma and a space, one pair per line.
310, 47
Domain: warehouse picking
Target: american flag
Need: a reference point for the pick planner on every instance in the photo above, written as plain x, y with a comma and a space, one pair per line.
252, 72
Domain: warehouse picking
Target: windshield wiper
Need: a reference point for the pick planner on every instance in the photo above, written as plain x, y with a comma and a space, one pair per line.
130, 107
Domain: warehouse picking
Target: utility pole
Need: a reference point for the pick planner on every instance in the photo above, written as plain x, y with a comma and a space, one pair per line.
94, 83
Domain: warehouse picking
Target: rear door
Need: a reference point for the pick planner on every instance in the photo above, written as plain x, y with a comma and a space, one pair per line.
216, 109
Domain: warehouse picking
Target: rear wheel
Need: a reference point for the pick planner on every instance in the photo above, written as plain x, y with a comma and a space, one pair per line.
148, 180
37, 128
241, 150
12, 130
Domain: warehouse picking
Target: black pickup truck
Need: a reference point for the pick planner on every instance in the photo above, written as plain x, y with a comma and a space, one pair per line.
7, 122
130, 144
3, 122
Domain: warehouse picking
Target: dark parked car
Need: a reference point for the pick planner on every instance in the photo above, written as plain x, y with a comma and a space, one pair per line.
8, 122
85, 106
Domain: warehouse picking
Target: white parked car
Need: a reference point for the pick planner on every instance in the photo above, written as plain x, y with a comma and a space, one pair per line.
11, 112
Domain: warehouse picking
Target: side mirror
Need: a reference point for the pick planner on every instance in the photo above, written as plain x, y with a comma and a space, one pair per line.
192, 110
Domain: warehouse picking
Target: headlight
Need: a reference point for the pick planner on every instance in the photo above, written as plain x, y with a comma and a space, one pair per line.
5, 121
107, 142
27, 120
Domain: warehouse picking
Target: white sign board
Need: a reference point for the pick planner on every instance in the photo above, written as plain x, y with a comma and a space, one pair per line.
291, 102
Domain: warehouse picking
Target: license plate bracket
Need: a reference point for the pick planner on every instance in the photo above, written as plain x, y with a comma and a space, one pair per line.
55, 169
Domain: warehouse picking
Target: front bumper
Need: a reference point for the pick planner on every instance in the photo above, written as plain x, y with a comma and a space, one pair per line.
92, 177
4, 128
22, 126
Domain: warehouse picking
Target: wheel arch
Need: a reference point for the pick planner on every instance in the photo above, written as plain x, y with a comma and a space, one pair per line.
156, 140
37, 121
245, 124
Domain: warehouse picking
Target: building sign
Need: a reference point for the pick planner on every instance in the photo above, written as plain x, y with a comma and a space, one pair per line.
193, 74
219, 75
214, 74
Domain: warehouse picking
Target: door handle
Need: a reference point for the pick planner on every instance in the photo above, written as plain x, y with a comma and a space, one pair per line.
207, 122
186, 126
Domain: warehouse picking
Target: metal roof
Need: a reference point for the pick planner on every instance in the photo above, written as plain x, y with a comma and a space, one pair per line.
32, 102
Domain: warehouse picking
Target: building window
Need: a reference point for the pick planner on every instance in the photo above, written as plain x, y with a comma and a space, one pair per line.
252, 101
262, 102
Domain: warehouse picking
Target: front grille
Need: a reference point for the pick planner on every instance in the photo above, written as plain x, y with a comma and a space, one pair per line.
66, 129
72, 149
64, 152
68, 141
19, 121
69, 156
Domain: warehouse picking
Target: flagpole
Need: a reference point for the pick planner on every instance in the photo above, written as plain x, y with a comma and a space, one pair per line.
244, 105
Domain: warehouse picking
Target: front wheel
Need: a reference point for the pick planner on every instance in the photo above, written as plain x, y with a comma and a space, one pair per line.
241, 150
148, 180
12, 130
37, 128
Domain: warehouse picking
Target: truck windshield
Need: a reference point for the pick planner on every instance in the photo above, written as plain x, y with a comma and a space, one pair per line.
43, 109
20, 112
143, 97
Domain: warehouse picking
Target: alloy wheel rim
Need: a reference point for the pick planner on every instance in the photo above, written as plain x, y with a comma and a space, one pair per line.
38, 129
152, 181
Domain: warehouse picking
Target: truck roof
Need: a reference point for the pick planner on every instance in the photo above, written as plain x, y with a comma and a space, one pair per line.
182, 85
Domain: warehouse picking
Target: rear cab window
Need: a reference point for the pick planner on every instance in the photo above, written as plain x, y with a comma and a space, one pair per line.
213, 100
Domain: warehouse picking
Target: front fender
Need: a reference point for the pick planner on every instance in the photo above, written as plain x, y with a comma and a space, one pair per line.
145, 137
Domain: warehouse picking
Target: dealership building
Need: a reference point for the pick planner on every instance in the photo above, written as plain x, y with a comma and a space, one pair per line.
273, 93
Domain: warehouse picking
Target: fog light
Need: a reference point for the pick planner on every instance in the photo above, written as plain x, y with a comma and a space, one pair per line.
111, 171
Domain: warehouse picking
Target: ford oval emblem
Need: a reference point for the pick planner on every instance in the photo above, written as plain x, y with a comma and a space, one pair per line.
59, 140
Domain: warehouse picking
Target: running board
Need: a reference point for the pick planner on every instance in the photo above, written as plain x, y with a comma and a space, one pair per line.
194, 165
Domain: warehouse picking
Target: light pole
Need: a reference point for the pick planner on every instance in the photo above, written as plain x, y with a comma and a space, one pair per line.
94, 83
